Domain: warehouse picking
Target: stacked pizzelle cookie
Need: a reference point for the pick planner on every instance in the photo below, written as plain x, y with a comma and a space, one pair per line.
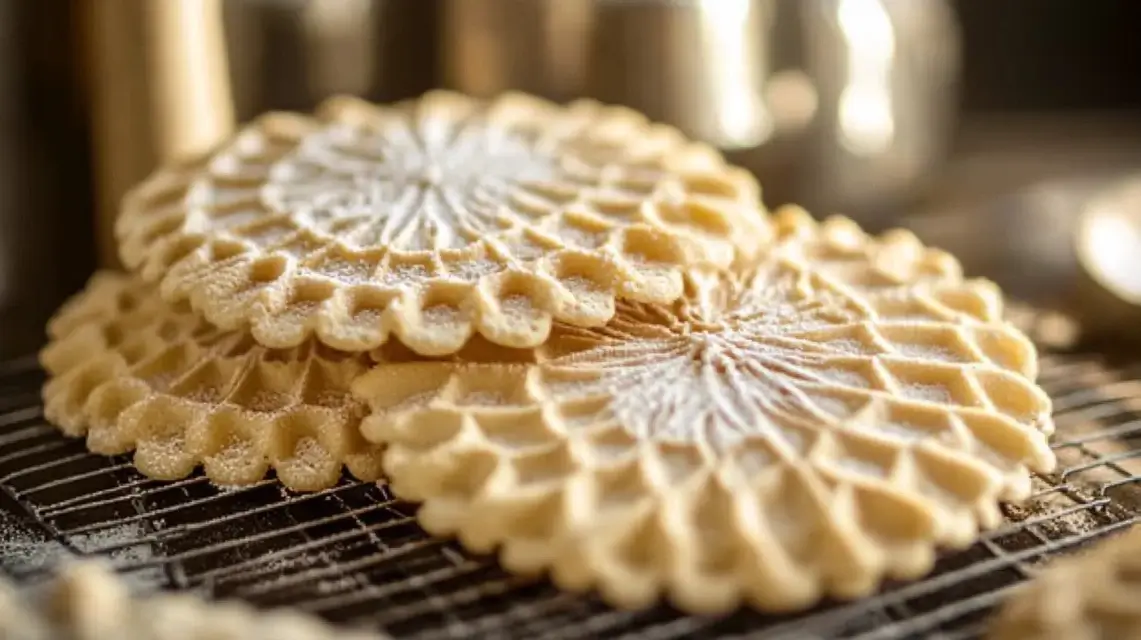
575, 336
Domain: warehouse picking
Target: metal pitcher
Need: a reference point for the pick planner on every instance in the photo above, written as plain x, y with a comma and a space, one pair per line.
837, 104
173, 77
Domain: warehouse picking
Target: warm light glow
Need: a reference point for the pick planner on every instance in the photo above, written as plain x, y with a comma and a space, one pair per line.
192, 100
343, 56
742, 117
867, 121
865, 23
792, 99
1112, 252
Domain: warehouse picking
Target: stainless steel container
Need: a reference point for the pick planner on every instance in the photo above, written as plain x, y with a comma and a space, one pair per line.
537, 46
289, 54
160, 90
886, 79
838, 104
173, 77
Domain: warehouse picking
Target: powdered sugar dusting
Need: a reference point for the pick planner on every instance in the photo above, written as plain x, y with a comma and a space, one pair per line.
413, 196
928, 393
737, 358
483, 398
240, 399
430, 193
405, 274
768, 411
517, 306
472, 270
441, 314
24, 548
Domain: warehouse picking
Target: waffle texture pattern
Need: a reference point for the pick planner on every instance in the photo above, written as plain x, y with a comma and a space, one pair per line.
134, 373
436, 219
822, 420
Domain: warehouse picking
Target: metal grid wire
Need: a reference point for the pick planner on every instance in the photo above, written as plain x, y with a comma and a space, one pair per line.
353, 553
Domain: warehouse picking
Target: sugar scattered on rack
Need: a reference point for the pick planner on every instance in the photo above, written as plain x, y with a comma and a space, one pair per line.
353, 553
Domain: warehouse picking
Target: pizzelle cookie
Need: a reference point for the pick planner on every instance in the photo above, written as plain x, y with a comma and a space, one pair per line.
436, 219
87, 601
1095, 595
805, 429
132, 372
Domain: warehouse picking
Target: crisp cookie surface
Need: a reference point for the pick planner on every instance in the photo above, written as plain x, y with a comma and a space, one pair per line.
806, 429
86, 601
1095, 595
436, 219
134, 373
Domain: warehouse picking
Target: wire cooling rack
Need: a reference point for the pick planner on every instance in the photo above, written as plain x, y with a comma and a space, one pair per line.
354, 554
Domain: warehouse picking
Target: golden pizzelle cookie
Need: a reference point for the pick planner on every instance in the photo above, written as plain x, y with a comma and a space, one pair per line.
805, 429
132, 372
87, 601
1093, 596
435, 219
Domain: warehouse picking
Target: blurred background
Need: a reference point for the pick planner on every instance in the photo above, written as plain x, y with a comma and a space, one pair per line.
986, 126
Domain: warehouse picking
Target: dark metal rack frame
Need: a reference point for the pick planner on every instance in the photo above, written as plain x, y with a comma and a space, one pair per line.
354, 554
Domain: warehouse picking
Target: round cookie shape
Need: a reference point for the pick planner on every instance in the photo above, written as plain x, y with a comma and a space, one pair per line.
132, 373
436, 219
823, 420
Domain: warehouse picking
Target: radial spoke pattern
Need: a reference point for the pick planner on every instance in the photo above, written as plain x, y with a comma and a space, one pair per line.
804, 430
435, 219
352, 554
133, 373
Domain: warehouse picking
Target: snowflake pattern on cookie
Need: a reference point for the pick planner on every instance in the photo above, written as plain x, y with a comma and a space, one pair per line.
805, 429
436, 219
131, 372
